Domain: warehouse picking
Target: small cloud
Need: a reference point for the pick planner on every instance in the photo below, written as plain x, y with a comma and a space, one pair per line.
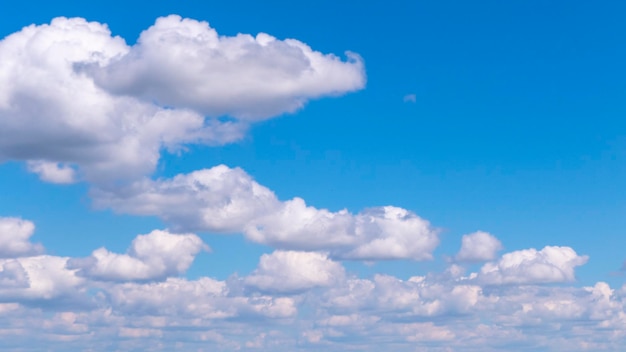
52, 172
478, 246
410, 98
154, 256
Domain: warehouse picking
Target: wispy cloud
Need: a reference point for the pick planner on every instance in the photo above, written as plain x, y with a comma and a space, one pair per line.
410, 98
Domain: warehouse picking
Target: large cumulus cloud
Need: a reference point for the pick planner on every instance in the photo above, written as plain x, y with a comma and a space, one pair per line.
77, 102
185, 63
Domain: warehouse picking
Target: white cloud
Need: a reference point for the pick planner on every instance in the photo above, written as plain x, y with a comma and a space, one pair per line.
478, 247
52, 172
290, 271
374, 234
51, 114
394, 298
331, 310
393, 233
15, 236
228, 200
150, 257
78, 103
41, 277
219, 199
529, 266
185, 63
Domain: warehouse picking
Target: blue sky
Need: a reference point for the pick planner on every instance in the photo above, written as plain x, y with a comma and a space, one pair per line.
367, 176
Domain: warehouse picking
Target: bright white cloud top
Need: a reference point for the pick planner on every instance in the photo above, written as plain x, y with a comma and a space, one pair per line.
78, 104
185, 63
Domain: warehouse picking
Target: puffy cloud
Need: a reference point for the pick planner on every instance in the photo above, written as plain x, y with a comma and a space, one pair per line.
478, 246
290, 271
53, 115
15, 236
79, 103
374, 234
529, 266
219, 199
150, 257
27, 276
223, 199
41, 277
185, 63
52, 172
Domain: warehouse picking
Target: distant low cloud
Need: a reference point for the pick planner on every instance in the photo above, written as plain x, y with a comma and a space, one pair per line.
205, 299
80, 104
301, 300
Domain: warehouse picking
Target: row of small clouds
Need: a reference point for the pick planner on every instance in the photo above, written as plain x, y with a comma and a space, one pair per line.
142, 296
162, 254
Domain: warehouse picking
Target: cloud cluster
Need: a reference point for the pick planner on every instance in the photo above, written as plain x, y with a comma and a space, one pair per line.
79, 103
300, 300
223, 199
